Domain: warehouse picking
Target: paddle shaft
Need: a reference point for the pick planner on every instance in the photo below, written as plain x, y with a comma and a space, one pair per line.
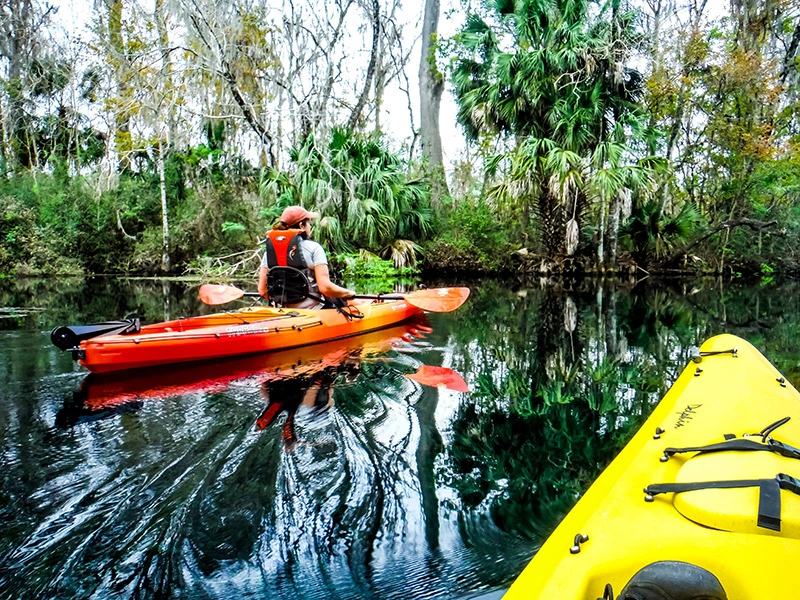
362, 296
432, 300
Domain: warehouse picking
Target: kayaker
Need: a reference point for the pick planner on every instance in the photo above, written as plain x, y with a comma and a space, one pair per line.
293, 232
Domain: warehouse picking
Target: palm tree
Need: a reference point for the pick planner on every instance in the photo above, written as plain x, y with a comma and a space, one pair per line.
363, 192
564, 95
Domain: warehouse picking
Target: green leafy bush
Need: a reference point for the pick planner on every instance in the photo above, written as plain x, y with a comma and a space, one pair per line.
370, 271
470, 239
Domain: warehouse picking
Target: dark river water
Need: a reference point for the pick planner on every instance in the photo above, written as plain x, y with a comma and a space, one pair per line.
328, 473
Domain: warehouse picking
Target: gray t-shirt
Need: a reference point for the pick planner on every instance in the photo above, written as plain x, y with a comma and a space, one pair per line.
313, 255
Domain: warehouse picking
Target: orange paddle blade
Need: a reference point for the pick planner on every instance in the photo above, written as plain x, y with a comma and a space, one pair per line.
439, 377
219, 294
438, 299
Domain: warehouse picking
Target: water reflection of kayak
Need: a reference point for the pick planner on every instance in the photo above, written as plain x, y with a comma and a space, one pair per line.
101, 393
719, 463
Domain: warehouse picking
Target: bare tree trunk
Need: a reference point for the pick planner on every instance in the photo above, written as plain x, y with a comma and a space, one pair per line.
330, 76
122, 117
656, 51
612, 233
373, 61
166, 70
20, 24
165, 264
4, 153
212, 36
380, 83
601, 252
431, 87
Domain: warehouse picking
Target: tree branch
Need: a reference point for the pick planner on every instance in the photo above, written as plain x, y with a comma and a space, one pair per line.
753, 224
373, 61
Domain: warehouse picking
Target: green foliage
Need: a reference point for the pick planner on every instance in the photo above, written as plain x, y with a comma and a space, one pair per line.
381, 274
651, 235
71, 228
544, 75
472, 238
363, 192
550, 93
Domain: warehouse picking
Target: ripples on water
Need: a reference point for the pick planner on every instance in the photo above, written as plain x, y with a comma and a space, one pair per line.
330, 474
256, 484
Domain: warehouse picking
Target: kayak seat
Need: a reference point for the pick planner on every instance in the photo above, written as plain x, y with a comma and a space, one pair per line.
287, 285
671, 580
744, 509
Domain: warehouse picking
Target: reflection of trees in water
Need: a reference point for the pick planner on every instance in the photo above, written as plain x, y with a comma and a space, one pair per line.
67, 301
182, 493
562, 381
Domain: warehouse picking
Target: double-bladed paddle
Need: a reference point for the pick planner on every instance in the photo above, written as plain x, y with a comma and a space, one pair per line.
432, 300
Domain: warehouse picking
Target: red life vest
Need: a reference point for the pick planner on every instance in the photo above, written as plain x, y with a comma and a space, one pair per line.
289, 278
283, 249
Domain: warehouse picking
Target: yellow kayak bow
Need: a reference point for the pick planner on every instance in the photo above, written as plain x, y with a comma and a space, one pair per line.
706, 494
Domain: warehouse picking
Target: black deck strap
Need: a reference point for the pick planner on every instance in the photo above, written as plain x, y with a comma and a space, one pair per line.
350, 312
341, 306
740, 445
769, 499
731, 443
733, 352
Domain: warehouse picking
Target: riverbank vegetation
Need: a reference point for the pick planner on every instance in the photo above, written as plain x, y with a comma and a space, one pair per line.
601, 136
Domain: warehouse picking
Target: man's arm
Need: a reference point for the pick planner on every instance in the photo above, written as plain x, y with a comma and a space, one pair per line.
262, 282
324, 283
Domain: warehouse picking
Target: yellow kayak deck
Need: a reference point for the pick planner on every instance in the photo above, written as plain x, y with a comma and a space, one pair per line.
727, 393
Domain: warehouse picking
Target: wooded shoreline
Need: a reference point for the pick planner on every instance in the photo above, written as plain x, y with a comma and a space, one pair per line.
600, 137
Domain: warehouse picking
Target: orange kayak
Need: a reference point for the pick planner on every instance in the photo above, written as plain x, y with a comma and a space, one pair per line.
104, 391
235, 333
102, 394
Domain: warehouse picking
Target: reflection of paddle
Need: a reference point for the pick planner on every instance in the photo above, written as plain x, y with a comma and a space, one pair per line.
439, 377
432, 300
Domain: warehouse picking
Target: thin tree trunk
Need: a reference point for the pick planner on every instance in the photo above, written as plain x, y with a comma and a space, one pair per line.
166, 70
324, 97
267, 140
4, 154
122, 135
373, 61
601, 234
165, 264
17, 45
612, 234
380, 83
610, 321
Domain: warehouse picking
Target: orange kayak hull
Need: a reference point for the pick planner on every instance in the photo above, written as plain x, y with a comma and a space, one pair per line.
236, 333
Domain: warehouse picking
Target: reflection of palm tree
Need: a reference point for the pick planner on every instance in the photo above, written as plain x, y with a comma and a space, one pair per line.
548, 416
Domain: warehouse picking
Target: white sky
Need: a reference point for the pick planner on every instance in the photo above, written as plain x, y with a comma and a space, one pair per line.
74, 16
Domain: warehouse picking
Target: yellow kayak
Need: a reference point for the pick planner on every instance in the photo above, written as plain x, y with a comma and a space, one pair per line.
703, 503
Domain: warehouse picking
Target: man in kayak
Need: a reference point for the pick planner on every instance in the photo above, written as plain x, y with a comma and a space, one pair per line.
289, 245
